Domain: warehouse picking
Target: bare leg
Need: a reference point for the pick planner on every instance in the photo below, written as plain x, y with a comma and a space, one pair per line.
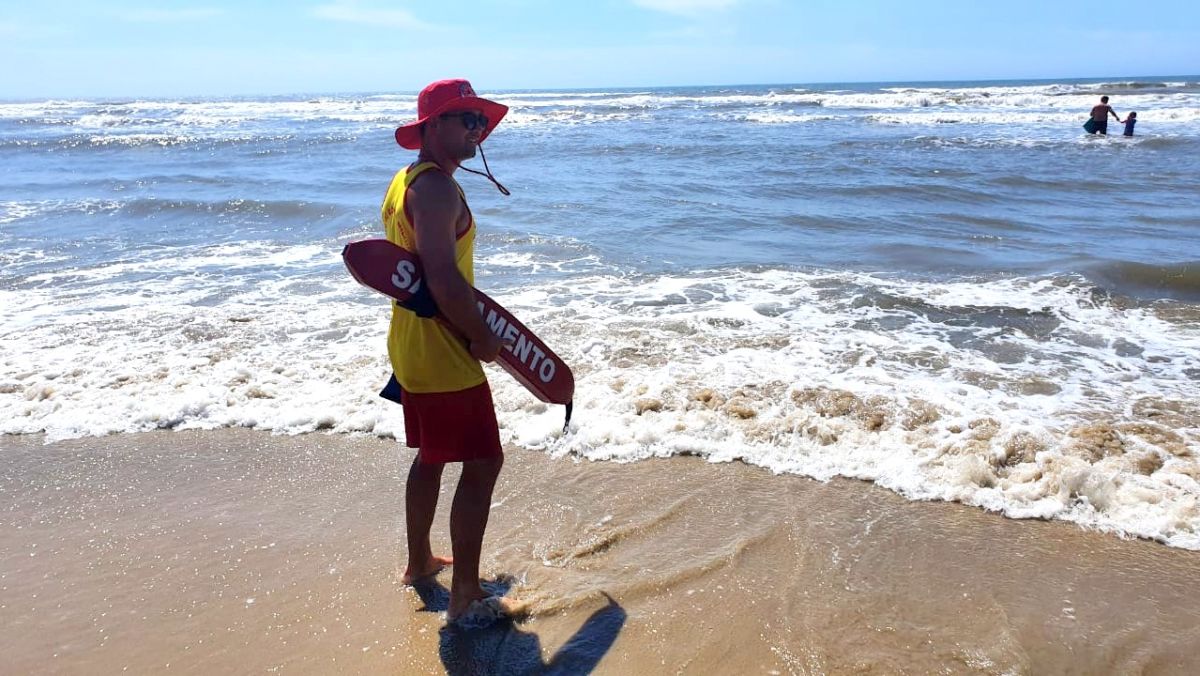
468, 520
420, 503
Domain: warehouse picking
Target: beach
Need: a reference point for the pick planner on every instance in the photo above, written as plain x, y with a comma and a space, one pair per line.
243, 552
869, 378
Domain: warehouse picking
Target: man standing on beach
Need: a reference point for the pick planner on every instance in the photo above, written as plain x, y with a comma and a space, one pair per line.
1100, 113
448, 411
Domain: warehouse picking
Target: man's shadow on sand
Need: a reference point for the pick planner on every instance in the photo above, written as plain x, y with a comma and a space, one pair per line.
502, 648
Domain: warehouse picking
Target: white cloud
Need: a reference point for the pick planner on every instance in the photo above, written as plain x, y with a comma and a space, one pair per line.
686, 7
171, 15
351, 12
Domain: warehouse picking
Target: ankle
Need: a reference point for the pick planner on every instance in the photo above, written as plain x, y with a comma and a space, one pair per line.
467, 590
418, 563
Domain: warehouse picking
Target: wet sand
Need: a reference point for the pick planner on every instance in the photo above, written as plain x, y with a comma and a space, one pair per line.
240, 552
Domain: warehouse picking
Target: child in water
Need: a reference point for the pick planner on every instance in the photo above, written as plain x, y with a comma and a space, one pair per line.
1130, 120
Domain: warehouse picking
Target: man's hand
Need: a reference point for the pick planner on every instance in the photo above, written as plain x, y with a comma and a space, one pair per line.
488, 349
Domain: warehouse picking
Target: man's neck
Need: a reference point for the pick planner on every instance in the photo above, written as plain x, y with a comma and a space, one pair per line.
445, 164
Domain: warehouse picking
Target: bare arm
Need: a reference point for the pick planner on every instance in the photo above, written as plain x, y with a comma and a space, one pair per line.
436, 209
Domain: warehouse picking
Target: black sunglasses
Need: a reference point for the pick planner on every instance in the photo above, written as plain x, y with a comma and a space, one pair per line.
470, 120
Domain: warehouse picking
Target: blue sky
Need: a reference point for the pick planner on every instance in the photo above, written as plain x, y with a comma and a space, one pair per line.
55, 48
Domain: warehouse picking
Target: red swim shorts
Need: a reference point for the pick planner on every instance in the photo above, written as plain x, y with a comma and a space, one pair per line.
452, 426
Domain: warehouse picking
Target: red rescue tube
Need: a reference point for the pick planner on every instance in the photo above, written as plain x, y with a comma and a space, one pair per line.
396, 272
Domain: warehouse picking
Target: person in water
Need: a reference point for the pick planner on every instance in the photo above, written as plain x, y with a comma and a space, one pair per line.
1130, 120
1100, 113
449, 416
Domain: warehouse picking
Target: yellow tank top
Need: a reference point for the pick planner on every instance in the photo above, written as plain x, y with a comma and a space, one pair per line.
425, 355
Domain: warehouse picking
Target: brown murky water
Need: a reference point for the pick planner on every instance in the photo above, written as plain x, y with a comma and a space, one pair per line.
239, 552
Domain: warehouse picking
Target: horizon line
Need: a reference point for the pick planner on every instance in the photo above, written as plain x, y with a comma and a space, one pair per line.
1104, 79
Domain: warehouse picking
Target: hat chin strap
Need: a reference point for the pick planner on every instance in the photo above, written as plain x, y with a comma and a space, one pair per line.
499, 186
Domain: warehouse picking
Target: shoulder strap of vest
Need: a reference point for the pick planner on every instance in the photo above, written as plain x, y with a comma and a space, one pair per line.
411, 174
419, 168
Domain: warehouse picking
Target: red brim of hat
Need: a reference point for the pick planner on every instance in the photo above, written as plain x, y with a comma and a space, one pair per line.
409, 135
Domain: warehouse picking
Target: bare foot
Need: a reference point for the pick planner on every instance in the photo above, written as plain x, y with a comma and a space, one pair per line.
433, 566
489, 606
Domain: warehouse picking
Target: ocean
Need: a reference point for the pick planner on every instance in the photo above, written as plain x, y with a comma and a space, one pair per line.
947, 289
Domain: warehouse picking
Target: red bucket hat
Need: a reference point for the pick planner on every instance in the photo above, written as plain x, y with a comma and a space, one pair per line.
447, 96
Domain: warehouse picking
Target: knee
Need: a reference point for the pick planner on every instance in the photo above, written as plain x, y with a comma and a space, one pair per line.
430, 471
487, 468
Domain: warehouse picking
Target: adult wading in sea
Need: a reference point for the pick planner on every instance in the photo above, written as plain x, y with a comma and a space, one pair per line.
1100, 112
448, 410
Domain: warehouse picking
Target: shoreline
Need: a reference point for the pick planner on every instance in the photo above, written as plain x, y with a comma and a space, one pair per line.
236, 550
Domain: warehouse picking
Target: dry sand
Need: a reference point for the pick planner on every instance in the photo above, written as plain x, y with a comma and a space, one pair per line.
241, 552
